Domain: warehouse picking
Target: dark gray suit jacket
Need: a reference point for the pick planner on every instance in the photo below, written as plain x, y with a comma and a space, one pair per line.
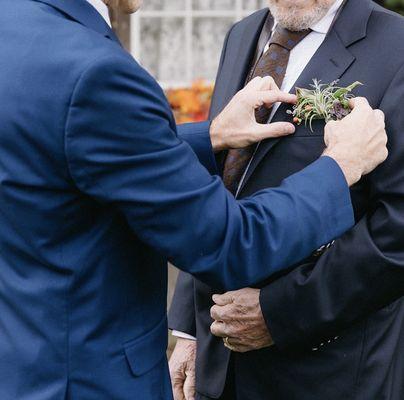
354, 291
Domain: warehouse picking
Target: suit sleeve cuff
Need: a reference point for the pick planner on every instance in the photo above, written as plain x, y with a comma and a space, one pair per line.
197, 135
183, 335
342, 214
275, 302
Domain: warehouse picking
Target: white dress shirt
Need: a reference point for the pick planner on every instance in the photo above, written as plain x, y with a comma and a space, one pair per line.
300, 56
102, 8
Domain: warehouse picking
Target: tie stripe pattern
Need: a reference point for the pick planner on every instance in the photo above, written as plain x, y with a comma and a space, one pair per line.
272, 63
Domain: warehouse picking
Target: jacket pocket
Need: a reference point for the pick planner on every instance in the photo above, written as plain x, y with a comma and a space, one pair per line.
145, 352
304, 130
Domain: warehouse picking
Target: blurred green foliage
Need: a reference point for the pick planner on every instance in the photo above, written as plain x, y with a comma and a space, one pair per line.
395, 5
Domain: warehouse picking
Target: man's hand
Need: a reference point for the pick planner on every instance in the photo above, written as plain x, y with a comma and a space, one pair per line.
239, 320
358, 143
182, 369
236, 127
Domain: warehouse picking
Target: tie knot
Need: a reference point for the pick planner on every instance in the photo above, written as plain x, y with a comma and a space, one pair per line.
286, 38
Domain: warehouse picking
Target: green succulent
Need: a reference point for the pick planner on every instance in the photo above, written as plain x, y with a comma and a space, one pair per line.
323, 101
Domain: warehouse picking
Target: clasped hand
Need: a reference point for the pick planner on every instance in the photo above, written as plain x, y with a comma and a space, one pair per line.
239, 321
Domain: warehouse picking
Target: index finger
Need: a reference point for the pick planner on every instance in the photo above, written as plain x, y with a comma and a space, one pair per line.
221, 313
223, 299
358, 103
269, 97
268, 83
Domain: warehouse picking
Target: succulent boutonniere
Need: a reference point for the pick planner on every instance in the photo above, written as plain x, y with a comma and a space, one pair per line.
323, 101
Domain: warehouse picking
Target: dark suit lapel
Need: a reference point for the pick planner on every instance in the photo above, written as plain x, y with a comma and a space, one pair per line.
241, 60
240, 63
328, 64
82, 12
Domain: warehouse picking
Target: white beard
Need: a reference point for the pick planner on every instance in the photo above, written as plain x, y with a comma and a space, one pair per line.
294, 19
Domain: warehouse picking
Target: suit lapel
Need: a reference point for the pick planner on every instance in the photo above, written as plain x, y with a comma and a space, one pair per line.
82, 12
241, 60
240, 63
329, 63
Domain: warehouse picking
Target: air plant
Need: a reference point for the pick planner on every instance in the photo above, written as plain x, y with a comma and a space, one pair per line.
323, 101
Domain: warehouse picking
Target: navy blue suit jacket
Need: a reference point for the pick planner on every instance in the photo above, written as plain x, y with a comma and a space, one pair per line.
97, 192
354, 291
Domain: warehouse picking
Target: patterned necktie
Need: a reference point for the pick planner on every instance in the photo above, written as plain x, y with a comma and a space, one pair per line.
272, 63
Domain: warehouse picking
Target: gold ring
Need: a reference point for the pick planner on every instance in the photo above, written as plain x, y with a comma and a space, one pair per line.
226, 341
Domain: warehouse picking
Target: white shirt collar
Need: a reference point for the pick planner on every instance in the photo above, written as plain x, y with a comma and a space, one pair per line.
102, 8
324, 25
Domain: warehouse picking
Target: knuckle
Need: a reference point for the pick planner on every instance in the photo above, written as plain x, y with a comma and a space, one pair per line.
330, 126
226, 330
213, 328
255, 81
362, 100
380, 114
178, 383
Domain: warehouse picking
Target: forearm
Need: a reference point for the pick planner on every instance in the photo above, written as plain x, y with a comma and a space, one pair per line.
286, 223
141, 168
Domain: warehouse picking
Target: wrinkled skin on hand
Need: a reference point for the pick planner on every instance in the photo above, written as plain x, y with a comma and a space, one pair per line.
238, 317
182, 369
236, 126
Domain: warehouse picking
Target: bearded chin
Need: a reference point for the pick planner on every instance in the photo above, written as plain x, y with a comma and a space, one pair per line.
294, 19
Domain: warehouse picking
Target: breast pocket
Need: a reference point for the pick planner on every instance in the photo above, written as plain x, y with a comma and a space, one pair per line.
316, 128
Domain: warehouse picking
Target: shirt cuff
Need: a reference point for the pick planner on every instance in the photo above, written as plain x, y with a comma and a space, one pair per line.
183, 335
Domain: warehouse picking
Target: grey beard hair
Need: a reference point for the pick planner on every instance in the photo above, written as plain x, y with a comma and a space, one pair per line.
293, 19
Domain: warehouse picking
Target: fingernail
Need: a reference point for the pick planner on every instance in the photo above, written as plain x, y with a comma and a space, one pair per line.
291, 129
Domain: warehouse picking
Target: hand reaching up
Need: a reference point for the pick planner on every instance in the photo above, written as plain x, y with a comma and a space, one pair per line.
236, 127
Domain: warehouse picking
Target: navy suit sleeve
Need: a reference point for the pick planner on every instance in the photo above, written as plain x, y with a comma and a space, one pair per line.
197, 135
122, 149
364, 271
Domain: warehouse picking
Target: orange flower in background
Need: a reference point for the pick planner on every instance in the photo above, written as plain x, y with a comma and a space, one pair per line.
191, 104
